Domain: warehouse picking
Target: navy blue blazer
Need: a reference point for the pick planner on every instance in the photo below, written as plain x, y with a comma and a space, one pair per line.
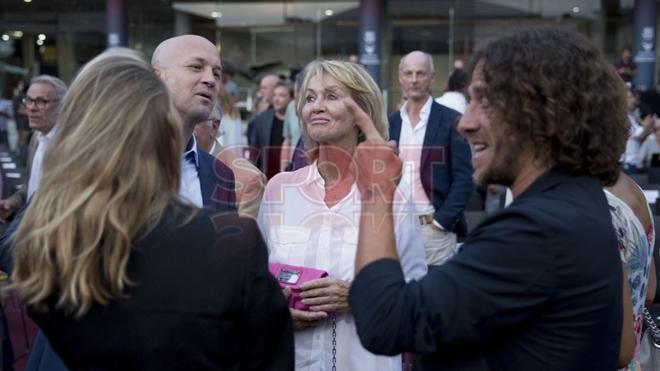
216, 181
262, 128
445, 166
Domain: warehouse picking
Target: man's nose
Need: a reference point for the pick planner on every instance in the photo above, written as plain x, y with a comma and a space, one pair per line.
468, 121
208, 77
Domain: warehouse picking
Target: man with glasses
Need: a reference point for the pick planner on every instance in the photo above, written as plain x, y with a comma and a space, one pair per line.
42, 101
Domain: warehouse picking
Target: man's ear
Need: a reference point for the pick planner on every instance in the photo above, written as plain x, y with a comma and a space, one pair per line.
216, 124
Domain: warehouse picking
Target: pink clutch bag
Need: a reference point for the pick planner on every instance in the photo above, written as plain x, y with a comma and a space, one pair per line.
293, 276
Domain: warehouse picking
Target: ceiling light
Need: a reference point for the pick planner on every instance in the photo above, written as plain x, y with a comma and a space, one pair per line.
5, 37
41, 37
216, 14
17, 34
40, 42
28, 1
329, 12
576, 9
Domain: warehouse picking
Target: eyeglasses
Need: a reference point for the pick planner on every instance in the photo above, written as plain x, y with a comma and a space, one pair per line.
39, 102
210, 122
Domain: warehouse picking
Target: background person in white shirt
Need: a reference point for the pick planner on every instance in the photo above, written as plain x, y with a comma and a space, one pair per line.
651, 145
638, 133
310, 217
43, 101
454, 96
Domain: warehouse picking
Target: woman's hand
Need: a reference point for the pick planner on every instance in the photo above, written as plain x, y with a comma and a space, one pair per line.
302, 319
326, 295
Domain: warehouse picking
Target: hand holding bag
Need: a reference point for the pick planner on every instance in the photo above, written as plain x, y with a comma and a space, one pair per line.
293, 276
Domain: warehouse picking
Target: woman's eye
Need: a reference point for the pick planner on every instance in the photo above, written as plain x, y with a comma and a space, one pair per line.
309, 99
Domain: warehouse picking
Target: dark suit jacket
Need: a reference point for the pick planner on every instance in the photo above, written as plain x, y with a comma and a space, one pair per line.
536, 286
262, 128
446, 166
203, 300
20, 196
216, 181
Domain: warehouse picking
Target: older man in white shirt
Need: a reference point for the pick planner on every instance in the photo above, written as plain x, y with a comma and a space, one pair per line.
43, 101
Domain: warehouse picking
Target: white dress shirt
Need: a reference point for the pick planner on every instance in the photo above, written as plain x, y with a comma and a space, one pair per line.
35, 171
453, 100
411, 142
191, 189
300, 229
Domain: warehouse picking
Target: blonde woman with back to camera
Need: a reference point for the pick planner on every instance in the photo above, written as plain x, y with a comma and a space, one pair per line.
115, 268
310, 218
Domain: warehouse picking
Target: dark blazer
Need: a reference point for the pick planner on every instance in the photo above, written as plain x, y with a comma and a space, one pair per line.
203, 299
446, 166
262, 128
216, 181
536, 286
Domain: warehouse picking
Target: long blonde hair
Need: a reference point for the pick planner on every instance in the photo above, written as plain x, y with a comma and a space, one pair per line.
107, 177
228, 106
360, 85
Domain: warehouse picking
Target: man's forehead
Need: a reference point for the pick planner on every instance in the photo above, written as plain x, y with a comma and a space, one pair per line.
269, 81
213, 61
186, 50
40, 89
416, 61
478, 74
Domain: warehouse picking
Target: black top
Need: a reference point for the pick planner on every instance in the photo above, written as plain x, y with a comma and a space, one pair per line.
537, 286
276, 133
203, 300
272, 153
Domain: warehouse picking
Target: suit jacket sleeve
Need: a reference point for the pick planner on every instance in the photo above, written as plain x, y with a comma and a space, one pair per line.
394, 317
6, 243
20, 197
461, 187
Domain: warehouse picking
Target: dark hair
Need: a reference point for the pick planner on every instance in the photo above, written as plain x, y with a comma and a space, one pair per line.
553, 88
286, 85
458, 80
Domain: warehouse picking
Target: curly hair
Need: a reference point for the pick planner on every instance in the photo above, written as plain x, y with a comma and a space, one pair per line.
553, 88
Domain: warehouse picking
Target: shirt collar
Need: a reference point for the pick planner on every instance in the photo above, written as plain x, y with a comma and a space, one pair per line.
48, 137
314, 175
191, 147
423, 113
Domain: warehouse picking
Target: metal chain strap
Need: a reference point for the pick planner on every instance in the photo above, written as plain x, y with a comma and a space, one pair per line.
334, 341
653, 327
